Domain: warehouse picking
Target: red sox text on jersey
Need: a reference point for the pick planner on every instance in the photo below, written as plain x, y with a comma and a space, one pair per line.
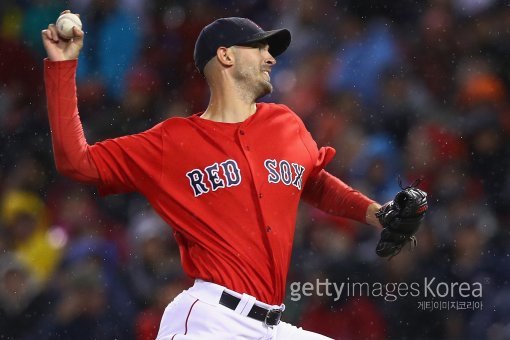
202, 181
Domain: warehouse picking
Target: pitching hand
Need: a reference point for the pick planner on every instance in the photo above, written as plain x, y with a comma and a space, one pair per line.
59, 49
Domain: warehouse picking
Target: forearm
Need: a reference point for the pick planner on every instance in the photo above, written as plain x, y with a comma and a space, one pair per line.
70, 148
333, 196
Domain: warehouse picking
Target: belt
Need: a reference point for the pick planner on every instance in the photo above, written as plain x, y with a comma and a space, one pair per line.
271, 317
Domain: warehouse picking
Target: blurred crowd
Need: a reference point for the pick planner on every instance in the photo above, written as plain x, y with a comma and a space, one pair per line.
401, 89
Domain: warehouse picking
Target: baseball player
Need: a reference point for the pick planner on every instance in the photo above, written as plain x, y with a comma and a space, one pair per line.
228, 180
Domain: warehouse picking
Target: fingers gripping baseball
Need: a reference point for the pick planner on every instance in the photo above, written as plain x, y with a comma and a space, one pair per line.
63, 45
401, 219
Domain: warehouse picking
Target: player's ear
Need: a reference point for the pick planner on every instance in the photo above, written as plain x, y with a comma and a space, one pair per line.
225, 56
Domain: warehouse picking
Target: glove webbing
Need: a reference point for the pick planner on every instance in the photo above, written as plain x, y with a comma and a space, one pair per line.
413, 240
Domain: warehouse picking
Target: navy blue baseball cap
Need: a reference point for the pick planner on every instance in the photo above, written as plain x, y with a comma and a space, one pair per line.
232, 31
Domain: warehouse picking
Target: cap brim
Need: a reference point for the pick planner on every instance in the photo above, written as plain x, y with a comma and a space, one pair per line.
278, 40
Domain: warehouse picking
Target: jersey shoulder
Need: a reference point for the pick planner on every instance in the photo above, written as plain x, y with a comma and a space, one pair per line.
174, 122
284, 112
276, 108
174, 130
177, 125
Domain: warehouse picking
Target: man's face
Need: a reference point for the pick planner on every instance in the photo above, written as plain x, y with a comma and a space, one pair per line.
253, 67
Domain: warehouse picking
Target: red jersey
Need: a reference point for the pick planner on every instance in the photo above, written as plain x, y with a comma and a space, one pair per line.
230, 191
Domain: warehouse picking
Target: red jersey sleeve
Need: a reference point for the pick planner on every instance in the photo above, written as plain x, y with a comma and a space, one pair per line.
320, 157
130, 163
325, 191
70, 148
331, 195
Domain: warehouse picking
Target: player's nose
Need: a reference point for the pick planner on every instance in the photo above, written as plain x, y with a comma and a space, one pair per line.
269, 59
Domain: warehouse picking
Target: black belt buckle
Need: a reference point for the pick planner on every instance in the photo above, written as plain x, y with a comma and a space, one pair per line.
273, 317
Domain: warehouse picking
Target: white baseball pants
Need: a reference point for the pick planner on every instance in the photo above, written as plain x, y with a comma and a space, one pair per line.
196, 314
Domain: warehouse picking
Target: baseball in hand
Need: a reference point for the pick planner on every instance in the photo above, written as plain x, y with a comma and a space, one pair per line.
65, 24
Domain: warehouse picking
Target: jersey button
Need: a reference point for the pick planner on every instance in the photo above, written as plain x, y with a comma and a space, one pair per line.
247, 148
241, 132
268, 228
260, 195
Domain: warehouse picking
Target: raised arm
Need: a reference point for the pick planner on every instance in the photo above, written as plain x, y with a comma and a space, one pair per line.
71, 151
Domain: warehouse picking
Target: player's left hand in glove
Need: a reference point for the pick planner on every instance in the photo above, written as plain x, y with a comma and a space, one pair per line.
401, 219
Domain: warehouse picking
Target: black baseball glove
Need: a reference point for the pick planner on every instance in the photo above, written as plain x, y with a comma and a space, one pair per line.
401, 219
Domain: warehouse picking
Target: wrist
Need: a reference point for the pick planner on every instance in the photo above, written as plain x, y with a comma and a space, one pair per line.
370, 218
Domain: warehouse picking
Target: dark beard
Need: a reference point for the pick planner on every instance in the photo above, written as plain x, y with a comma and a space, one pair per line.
265, 89
257, 90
